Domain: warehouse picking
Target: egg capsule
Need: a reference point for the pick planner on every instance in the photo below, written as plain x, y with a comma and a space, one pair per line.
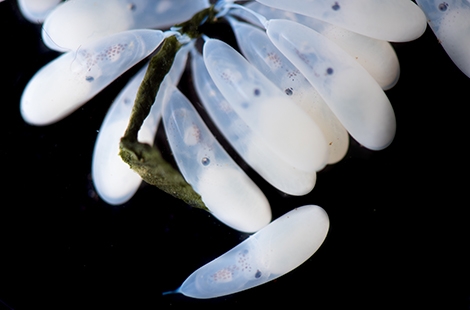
114, 180
36, 11
74, 23
270, 253
72, 79
229, 194
376, 56
348, 89
389, 20
286, 128
279, 70
247, 143
450, 22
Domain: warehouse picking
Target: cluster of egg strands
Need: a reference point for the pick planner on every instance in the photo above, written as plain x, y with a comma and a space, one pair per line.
450, 22
114, 181
273, 251
228, 193
75, 22
64, 84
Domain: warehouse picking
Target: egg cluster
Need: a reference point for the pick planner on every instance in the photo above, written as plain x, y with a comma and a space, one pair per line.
307, 76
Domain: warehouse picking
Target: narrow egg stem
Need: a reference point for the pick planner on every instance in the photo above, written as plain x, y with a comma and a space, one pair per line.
145, 159
159, 66
193, 27
229, 5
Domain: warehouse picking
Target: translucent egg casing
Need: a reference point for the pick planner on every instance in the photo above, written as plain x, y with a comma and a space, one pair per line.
279, 70
36, 11
75, 22
286, 128
272, 252
348, 89
229, 194
377, 56
114, 180
72, 79
389, 20
450, 22
247, 143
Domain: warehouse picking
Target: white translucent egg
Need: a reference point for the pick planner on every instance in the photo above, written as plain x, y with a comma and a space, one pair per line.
114, 180
36, 11
72, 79
74, 23
389, 20
377, 56
229, 194
286, 128
450, 21
247, 143
272, 252
348, 89
279, 70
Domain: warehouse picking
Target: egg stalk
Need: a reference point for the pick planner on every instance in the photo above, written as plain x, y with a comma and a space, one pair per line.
143, 158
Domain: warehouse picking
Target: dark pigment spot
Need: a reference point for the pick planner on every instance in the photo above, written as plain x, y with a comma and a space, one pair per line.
257, 274
89, 78
336, 6
443, 6
205, 161
289, 91
257, 92
329, 71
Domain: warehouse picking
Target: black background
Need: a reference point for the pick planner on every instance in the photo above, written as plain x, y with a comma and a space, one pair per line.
399, 224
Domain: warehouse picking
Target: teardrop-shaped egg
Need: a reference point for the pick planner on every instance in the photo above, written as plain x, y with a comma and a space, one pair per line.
74, 23
247, 143
72, 79
270, 253
389, 20
114, 180
450, 22
36, 11
279, 70
348, 89
229, 194
376, 56
285, 127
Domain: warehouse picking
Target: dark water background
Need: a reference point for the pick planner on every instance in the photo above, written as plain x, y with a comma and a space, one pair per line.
399, 222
